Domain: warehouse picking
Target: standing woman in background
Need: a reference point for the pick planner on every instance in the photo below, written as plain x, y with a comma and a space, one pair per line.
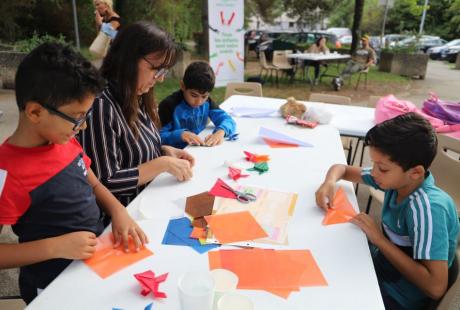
107, 20
122, 137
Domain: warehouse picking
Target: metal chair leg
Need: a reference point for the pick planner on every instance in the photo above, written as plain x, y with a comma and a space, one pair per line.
369, 203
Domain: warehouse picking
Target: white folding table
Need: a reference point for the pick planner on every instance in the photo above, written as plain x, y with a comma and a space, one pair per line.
341, 251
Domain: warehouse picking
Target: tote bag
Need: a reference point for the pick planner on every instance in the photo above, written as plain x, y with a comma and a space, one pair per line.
389, 107
100, 45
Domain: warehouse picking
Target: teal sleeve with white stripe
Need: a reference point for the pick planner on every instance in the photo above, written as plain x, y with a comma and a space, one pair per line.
367, 177
427, 228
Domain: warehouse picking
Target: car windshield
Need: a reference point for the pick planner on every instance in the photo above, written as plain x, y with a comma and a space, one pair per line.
453, 42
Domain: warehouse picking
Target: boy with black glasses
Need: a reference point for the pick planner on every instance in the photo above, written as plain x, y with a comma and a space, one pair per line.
48, 192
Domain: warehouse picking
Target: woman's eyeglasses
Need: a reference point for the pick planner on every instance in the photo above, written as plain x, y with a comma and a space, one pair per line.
77, 122
160, 71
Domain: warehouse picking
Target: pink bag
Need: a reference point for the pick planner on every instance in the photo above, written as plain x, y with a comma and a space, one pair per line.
389, 107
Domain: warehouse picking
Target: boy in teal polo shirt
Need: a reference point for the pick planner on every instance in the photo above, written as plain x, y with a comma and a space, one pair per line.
414, 250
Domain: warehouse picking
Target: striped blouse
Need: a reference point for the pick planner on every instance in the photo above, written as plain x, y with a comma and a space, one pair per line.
115, 151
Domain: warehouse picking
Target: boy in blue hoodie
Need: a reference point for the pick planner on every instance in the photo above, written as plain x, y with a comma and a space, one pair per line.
184, 114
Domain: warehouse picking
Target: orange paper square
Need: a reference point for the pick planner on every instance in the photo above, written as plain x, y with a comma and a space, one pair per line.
235, 227
342, 211
108, 260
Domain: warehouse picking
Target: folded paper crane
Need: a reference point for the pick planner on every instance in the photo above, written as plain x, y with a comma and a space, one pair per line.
235, 173
150, 283
261, 167
256, 158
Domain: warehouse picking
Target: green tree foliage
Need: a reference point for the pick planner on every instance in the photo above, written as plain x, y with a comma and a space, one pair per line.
305, 10
453, 14
266, 10
372, 17
22, 19
404, 16
12, 15
342, 15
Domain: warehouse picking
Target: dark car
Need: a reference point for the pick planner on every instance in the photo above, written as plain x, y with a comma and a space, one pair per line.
292, 41
451, 53
423, 43
441, 51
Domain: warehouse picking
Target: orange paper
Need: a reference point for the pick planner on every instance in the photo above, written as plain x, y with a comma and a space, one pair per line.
276, 144
198, 233
279, 272
342, 211
108, 260
235, 227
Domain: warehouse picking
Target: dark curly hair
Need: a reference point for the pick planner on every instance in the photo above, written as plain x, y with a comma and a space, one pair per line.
409, 140
55, 74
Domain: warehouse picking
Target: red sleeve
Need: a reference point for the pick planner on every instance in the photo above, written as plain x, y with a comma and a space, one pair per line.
86, 159
14, 200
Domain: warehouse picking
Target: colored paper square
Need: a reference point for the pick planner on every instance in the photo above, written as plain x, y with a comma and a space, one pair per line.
108, 260
235, 227
199, 205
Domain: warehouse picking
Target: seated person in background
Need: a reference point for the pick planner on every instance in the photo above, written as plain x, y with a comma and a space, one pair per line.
318, 48
414, 250
48, 193
184, 114
361, 60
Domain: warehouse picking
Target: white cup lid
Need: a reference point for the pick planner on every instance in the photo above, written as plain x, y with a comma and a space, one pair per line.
232, 301
224, 279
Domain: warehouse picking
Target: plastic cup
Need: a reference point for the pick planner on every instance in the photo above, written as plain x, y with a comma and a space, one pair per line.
233, 301
196, 290
226, 281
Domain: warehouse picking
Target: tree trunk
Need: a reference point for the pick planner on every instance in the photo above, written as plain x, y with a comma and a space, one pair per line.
205, 25
355, 30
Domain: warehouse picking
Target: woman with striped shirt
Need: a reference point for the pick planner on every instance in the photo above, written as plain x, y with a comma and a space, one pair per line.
122, 137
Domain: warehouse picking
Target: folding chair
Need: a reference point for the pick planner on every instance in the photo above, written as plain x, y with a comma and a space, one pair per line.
246, 88
347, 142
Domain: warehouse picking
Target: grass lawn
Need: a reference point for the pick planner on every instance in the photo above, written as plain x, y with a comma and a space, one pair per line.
379, 83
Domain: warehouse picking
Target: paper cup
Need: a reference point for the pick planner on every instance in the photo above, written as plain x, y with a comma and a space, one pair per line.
196, 290
226, 281
232, 301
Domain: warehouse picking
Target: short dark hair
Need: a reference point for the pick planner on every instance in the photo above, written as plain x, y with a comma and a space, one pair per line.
55, 74
199, 76
409, 140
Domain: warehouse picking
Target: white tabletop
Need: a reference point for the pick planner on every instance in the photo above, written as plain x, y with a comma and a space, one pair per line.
348, 119
319, 56
341, 251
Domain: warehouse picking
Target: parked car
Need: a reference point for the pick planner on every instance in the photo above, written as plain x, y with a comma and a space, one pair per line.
291, 41
423, 43
451, 53
437, 52
346, 39
339, 32
392, 39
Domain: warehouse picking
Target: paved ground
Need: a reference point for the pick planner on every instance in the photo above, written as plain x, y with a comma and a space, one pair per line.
440, 79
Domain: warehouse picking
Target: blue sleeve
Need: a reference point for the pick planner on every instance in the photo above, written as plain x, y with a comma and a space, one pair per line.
367, 177
171, 136
223, 121
108, 30
427, 226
